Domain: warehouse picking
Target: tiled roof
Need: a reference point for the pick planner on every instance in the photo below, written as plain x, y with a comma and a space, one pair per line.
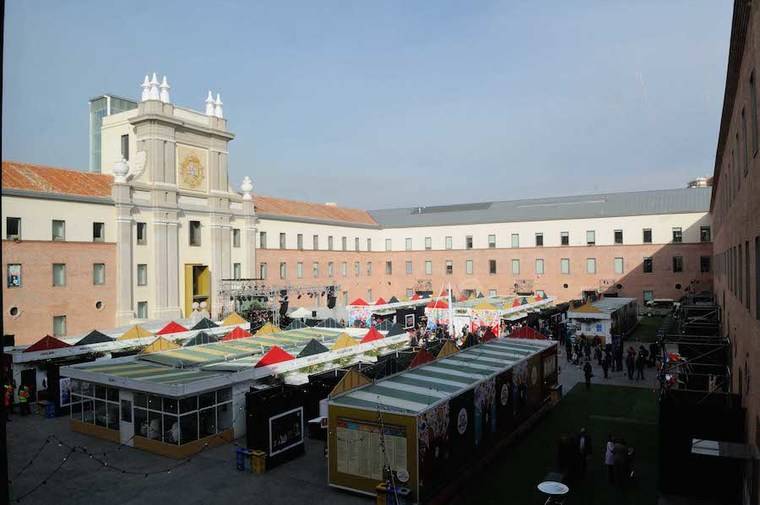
295, 208
44, 179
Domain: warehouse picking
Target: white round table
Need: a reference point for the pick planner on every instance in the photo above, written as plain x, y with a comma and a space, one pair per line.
553, 488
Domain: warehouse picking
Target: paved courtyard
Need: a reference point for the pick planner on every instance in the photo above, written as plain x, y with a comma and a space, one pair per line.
207, 478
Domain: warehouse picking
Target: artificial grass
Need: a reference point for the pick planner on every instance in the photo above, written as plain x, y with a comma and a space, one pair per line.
630, 413
646, 330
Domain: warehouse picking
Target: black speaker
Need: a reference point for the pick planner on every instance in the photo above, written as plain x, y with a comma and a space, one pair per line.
314, 314
283, 308
330, 302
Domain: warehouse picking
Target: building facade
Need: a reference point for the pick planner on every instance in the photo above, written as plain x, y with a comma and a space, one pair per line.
160, 225
736, 214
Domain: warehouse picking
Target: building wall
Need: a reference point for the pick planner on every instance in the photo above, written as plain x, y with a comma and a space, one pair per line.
736, 209
38, 301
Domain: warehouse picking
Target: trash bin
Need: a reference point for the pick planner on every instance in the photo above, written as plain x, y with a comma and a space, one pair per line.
258, 462
241, 454
50, 410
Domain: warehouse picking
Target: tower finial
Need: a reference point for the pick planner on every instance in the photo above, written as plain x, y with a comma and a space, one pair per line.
145, 89
154, 93
218, 111
165, 91
209, 104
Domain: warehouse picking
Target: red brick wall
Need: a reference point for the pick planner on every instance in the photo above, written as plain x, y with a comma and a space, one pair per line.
38, 301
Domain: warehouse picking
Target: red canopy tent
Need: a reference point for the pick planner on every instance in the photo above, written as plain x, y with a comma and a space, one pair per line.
380, 301
438, 304
527, 332
172, 327
421, 358
415, 296
537, 297
371, 336
359, 301
236, 333
487, 335
275, 355
516, 303
47, 343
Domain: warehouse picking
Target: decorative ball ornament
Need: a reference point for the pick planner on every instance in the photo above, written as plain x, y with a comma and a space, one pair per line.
120, 170
246, 187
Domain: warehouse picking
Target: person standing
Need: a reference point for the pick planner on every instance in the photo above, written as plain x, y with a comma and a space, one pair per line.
584, 450
23, 399
620, 460
8, 400
609, 459
629, 364
640, 364
569, 350
598, 354
588, 373
606, 365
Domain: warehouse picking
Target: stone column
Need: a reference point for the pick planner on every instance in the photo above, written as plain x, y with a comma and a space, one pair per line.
249, 242
124, 265
221, 232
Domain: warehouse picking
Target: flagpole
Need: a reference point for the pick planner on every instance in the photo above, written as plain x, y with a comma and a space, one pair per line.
451, 315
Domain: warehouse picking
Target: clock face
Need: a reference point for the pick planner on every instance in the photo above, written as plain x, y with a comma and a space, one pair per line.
191, 168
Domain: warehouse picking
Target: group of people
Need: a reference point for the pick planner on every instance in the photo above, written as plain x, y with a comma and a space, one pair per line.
24, 399
583, 351
575, 452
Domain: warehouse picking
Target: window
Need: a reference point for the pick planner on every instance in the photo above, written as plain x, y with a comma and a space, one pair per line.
98, 232
648, 265
677, 235
491, 266
449, 242
330, 243
428, 267
369, 244
357, 268
590, 237
564, 265
408, 267
468, 242
449, 267
344, 243
388, 244
492, 293
408, 244
330, 269
236, 237
13, 228
142, 233
746, 143
388, 267
283, 241
539, 266
315, 269
142, 274
539, 239
409, 292
618, 236
492, 241
283, 270
618, 265
369, 295
125, 147
59, 326
753, 112
468, 268
647, 238
237, 272
14, 275
98, 274
704, 264
195, 233
428, 243
343, 268
263, 270
142, 310
299, 270
369, 268
299, 241
515, 240
315, 242
590, 265
59, 230
648, 296
59, 274
515, 267
678, 263
704, 234
564, 238
356, 244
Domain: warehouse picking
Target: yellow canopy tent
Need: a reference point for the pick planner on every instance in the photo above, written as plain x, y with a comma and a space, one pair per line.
448, 349
136, 331
344, 340
351, 380
158, 345
233, 318
268, 329
484, 306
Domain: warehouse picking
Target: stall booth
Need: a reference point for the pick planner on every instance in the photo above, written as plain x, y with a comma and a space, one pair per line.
407, 314
433, 421
276, 422
605, 318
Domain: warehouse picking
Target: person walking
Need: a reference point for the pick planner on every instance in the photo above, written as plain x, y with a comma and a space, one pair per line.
569, 350
640, 364
606, 365
598, 354
619, 461
584, 450
23, 399
630, 364
8, 400
588, 373
609, 458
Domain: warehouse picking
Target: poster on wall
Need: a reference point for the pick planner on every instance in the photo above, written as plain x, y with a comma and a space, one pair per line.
359, 452
408, 321
64, 391
14, 276
285, 431
191, 167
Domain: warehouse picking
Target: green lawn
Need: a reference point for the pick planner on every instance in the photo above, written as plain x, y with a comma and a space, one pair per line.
630, 413
646, 330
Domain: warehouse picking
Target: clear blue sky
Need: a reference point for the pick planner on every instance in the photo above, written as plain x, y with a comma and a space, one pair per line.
379, 104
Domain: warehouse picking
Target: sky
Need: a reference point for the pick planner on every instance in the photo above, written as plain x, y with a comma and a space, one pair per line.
392, 103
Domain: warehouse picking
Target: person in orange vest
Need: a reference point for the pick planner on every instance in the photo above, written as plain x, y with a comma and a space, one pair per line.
8, 400
23, 398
